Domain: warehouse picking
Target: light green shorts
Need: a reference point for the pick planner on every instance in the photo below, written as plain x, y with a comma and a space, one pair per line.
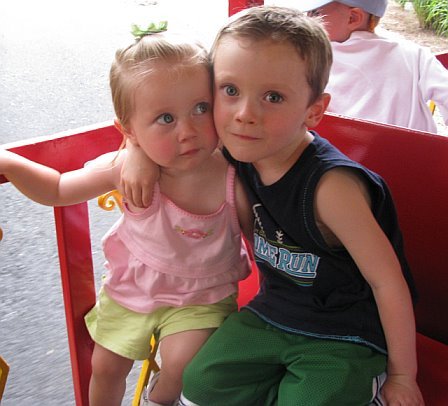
128, 333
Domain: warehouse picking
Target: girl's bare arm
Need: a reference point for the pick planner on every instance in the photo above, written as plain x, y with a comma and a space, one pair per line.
49, 187
245, 214
138, 177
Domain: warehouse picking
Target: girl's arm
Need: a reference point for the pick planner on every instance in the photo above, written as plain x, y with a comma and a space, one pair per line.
49, 187
138, 177
245, 214
342, 204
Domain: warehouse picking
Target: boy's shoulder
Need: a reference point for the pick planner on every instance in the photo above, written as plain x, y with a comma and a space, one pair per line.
381, 38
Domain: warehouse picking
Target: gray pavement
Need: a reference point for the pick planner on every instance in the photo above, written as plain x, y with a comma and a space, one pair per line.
54, 62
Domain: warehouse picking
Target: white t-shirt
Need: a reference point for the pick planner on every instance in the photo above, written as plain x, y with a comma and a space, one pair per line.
387, 80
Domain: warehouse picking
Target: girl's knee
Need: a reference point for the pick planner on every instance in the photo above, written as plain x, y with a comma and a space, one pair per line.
108, 365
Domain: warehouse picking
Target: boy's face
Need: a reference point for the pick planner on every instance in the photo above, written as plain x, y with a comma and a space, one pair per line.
262, 98
336, 18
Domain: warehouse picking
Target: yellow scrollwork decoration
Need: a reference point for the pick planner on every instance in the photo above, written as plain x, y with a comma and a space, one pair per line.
108, 201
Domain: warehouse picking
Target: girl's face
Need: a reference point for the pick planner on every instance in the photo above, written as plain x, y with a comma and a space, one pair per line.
262, 99
173, 121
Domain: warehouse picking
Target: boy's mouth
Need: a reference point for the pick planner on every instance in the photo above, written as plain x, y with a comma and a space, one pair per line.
190, 152
244, 137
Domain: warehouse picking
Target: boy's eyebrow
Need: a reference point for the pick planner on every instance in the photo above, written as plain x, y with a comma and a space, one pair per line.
222, 76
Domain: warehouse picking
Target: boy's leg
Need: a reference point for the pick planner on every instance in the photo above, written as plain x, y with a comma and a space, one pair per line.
108, 381
329, 373
249, 362
237, 366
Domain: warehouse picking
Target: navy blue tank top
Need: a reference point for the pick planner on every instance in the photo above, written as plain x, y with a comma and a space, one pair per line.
308, 287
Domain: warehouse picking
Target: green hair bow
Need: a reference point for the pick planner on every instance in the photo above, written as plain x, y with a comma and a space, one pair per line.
152, 28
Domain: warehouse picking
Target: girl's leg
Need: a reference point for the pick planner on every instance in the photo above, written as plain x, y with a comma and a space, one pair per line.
176, 351
108, 381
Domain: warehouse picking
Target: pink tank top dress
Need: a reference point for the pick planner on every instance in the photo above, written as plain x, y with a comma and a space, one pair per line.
166, 256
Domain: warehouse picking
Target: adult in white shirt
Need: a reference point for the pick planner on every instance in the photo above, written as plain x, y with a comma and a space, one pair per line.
378, 78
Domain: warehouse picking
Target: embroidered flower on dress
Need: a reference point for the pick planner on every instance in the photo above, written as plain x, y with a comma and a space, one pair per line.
193, 232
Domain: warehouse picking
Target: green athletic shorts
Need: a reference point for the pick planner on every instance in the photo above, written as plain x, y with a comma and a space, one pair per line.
248, 362
128, 333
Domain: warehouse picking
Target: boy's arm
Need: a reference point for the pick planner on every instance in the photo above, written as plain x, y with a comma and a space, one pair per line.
49, 187
342, 204
434, 82
138, 176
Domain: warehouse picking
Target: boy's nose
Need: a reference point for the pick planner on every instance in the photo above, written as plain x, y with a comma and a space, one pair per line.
246, 112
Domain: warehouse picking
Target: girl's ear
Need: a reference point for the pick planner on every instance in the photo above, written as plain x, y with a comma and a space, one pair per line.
316, 110
127, 135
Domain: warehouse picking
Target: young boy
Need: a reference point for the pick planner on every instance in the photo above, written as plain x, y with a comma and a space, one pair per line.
374, 77
334, 310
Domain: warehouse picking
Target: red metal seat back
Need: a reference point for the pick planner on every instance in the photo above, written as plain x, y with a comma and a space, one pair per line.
415, 166
443, 58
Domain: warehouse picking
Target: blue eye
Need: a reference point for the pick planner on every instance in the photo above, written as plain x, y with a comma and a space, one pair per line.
202, 108
231, 90
274, 98
165, 118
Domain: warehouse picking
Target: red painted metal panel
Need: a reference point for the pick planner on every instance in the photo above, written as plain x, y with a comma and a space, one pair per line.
238, 5
414, 164
432, 357
66, 152
443, 57
78, 287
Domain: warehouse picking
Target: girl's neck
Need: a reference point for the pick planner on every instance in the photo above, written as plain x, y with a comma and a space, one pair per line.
200, 190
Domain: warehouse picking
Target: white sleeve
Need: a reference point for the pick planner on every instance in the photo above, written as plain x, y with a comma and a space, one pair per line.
434, 81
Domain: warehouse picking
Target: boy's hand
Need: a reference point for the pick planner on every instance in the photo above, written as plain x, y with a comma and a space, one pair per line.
138, 176
402, 390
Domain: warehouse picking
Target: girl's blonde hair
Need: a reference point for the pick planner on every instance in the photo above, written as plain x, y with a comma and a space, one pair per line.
283, 24
133, 64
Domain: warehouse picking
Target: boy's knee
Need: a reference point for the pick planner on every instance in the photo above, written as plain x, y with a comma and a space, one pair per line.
198, 383
190, 380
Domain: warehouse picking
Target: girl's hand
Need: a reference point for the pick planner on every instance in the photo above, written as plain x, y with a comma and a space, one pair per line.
5, 156
138, 176
402, 390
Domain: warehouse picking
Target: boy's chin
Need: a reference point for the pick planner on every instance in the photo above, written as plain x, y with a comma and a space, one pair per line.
242, 155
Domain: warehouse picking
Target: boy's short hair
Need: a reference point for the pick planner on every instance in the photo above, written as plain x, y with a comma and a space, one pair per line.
281, 24
374, 7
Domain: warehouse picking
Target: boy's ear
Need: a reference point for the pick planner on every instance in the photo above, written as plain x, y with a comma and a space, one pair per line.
128, 135
358, 19
316, 110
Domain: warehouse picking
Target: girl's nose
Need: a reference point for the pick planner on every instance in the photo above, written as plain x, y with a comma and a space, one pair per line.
187, 130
